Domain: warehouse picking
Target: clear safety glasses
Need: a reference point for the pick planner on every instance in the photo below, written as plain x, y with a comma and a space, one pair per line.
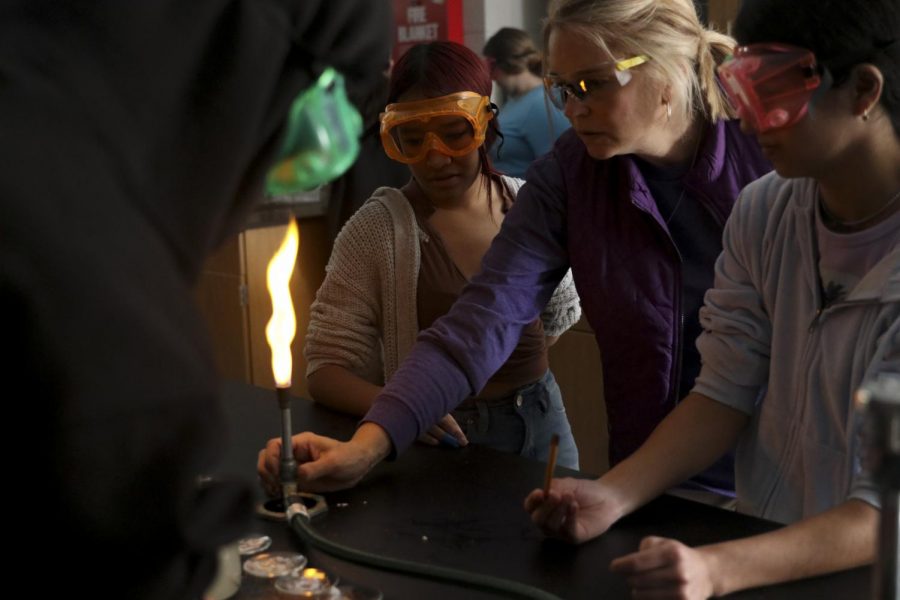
771, 85
614, 75
454, 125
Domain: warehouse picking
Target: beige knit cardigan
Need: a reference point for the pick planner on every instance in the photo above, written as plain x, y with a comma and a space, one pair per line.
364, 316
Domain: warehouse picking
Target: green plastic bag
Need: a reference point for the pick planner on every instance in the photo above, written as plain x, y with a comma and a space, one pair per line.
322, 138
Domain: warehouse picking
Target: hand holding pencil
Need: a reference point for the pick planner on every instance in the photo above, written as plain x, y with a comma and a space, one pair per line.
551, 462
574, 510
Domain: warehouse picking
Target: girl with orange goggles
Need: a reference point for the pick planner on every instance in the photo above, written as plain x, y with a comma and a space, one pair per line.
403, 258
454, 124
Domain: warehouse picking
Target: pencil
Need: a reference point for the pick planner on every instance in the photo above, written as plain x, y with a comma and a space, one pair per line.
551, 462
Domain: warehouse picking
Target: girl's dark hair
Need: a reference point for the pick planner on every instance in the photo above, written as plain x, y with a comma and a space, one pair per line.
513, 52
841, 33
441, 68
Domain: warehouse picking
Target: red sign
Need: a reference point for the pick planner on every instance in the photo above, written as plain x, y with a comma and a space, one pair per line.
419, 21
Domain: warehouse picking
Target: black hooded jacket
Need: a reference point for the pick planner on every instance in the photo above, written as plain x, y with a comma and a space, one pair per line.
134, 136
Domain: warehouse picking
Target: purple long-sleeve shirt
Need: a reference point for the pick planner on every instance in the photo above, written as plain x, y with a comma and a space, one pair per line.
599, 218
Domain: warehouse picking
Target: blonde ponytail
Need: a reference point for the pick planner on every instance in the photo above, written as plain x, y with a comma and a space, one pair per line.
713, 49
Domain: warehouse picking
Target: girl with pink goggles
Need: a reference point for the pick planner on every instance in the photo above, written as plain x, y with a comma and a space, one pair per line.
771, 85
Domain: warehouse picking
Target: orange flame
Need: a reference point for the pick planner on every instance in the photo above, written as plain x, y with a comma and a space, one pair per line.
282, 326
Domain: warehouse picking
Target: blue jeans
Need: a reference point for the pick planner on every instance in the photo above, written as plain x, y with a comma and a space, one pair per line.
522, 423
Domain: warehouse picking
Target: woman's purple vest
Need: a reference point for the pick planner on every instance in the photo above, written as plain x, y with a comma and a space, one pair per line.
628, 273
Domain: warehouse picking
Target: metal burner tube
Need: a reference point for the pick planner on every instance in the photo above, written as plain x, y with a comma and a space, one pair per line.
288, 468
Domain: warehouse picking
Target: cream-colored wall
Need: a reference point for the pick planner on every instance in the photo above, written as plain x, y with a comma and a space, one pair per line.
482, 19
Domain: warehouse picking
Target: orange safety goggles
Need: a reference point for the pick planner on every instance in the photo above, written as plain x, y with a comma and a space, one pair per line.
454, 125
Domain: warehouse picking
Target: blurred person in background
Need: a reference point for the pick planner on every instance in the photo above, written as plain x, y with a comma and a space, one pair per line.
529, 123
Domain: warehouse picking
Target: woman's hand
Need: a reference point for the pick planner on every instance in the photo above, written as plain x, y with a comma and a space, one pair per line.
446, 431
666, 568
325, 464
575, 510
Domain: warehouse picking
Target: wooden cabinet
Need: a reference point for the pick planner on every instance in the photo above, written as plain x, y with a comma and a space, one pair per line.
221, 295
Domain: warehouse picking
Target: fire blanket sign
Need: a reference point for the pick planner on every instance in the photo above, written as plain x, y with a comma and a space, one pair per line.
419, 21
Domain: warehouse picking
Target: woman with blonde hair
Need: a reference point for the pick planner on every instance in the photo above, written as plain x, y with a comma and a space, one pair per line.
633, 198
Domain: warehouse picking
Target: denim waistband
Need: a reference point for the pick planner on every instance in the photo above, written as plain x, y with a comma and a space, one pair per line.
517, 396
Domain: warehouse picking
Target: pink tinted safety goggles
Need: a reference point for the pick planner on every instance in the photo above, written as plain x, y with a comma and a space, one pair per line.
770, 85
